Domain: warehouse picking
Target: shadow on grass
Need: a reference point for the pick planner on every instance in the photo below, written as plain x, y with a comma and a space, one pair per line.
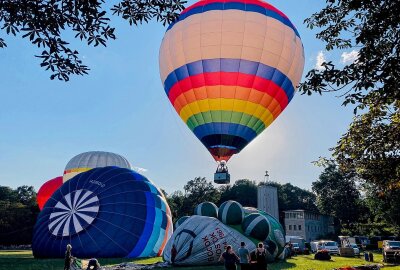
281, 265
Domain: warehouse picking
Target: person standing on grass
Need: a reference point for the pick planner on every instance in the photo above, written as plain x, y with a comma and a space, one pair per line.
244, 256
229, 258
261, 257
68, 258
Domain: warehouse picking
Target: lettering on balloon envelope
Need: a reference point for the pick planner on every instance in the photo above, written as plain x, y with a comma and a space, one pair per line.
201, 240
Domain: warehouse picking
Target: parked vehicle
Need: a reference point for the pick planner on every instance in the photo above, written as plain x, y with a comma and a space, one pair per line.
361, 241
346, 249
391, 251
330, 246
296, 239
314, 246
296, 248
356, 250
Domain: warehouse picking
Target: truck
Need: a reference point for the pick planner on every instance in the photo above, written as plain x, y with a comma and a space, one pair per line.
296, 239
391, 251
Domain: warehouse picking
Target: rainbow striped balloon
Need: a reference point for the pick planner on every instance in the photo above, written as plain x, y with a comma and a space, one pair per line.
229, 68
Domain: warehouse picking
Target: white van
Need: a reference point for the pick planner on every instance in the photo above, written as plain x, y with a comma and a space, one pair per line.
331, 246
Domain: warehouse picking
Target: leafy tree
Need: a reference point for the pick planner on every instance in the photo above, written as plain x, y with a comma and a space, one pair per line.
243, 191
26, 195
176, 202
200, 190
7, 194
18, 213
370, 149
384, 208
291, 197
196, 191
45, 24
337, 195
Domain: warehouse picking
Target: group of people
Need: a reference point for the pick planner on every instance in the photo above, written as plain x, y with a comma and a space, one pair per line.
257, 260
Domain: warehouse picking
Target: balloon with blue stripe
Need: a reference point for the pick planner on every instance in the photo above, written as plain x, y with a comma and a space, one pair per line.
108, 212
229, 69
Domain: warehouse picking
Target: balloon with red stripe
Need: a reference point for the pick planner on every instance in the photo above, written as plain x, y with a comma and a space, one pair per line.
229, 68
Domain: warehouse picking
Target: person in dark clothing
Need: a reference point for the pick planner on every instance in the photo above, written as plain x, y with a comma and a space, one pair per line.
261, 257
174, 252
229, 258
93, 264
68, 258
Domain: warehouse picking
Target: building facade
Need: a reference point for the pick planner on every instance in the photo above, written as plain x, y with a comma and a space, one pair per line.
267, 200
309, 225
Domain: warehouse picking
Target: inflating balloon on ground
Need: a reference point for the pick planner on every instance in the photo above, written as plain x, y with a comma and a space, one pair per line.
104, 213
200, 240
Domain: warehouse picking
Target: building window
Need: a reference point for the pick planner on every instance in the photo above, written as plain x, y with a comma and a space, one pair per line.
286, 215
290, 227
299, 227
294, 227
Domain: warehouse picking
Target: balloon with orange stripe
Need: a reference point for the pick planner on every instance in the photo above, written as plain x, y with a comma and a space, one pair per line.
229, 68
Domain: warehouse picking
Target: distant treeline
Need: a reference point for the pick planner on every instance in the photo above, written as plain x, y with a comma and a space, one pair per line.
18, 213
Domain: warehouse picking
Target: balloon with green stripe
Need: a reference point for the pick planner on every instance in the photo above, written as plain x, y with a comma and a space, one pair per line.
276, 233
207, 209
231, 213
256, 225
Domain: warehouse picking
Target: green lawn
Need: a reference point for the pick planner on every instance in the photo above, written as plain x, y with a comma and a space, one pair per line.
23, 260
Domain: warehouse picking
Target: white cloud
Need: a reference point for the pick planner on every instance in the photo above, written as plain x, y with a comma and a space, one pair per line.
320, 59
349, 57
139, 170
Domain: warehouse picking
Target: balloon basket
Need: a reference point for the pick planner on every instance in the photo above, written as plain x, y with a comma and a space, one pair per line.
222, 178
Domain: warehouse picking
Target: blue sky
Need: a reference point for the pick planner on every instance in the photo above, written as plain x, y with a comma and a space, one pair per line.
121, 107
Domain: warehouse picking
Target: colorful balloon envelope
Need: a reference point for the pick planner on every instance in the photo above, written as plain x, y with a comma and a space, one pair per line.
104, 213
229, 68
93, 159
47, 189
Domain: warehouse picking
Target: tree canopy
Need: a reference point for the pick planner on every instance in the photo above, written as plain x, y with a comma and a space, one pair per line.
370, 149
18, 212
45, 23
338, 195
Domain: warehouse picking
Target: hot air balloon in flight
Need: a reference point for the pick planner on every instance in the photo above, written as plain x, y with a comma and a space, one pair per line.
229, 68
93, 159
47, 189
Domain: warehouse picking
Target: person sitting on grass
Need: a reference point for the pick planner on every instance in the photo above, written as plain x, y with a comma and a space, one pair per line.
93, 264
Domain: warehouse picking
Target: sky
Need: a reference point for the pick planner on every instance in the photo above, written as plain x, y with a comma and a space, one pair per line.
121, 107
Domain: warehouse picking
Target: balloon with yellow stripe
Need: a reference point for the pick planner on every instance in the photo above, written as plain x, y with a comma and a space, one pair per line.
93, 159
229, 68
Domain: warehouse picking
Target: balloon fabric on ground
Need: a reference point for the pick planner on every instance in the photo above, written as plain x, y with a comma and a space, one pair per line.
201, 240
93, 159
104, 213
229, 68
197, 239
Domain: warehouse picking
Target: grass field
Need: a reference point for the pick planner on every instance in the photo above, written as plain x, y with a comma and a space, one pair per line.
23, 260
